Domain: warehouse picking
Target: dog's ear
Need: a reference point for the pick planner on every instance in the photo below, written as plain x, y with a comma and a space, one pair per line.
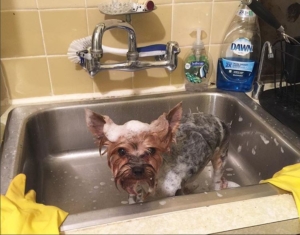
95, 123
166, 124
174, 117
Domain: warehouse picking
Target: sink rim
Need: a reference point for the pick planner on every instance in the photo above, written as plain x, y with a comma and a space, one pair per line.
81, 220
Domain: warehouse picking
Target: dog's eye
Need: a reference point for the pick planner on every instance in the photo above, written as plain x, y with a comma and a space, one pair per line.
122, 152
151, 151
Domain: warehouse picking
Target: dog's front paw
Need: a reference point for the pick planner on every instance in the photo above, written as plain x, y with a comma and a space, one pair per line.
221, 184
131, 199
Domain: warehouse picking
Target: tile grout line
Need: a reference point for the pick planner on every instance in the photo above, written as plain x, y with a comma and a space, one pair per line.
32, 57
88, 32
45, 50
172, 36
211, 24
48, 9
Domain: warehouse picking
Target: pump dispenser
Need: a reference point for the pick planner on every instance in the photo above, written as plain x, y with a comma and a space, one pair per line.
197, 69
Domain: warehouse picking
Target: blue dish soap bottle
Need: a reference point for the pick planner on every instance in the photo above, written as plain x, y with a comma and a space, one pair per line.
238, 62
197, 66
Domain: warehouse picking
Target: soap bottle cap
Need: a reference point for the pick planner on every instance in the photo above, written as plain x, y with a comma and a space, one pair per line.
198, 44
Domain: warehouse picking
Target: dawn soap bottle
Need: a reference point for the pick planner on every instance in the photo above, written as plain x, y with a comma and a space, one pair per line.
240, 50
197, 67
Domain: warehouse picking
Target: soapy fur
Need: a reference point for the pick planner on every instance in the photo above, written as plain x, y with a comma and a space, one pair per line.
163, 157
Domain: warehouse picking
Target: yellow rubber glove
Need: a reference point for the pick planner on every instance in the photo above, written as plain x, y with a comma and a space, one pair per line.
288, 179
20, 214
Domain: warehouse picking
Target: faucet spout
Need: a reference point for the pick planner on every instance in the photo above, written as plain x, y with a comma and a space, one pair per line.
96, 48
92, 62
258, 86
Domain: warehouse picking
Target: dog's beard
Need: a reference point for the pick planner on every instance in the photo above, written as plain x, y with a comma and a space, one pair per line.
132, 183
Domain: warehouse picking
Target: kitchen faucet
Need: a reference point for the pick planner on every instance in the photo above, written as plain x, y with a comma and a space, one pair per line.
258, 86
93, 63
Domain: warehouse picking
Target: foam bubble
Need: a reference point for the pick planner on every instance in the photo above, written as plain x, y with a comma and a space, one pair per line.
114, 131
162, 202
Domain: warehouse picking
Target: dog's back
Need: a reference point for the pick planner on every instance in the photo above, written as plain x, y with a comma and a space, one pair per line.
198, 139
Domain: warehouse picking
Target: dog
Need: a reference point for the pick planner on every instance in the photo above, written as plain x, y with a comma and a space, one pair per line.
164, 157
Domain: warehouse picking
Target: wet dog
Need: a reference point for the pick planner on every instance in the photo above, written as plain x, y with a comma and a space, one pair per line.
162, 158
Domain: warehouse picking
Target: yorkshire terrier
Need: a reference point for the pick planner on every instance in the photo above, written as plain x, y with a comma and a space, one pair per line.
162, 158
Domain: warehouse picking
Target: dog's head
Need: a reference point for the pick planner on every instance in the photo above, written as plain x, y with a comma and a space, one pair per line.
134, 149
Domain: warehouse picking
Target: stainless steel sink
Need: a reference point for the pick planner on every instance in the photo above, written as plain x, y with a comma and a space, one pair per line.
52, 146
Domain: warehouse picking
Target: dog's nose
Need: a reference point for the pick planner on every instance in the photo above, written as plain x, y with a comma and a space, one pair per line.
137, 170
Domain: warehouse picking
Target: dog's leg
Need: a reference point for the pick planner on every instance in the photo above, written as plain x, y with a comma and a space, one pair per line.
219, 159
131, 198
218, 162
187, 188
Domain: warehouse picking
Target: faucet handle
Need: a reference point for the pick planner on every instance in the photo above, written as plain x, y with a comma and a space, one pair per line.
84, 55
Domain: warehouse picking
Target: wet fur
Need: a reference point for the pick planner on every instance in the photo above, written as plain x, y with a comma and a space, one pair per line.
170, 154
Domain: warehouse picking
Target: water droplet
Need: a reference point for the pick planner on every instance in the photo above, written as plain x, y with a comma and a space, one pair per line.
94, 201
219, 194
76, 177
162, 202
240, 119
239, 149
282, 150
124, 202
65, 172
112, 179
264, 139
253, 151
96, 187
229, 169
276, 142
102, 183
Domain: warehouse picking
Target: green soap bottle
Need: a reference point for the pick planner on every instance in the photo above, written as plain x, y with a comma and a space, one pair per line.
197, 66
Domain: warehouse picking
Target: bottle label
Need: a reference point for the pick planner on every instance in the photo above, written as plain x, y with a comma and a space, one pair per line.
238, 65
195, 71
245, 13
241, 46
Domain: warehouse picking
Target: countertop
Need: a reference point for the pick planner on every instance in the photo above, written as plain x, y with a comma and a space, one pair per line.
213, 219
272, 214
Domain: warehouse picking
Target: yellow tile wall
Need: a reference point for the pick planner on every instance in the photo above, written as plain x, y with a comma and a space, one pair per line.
36, 34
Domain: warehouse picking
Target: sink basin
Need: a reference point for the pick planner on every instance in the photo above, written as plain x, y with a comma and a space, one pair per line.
53, 147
